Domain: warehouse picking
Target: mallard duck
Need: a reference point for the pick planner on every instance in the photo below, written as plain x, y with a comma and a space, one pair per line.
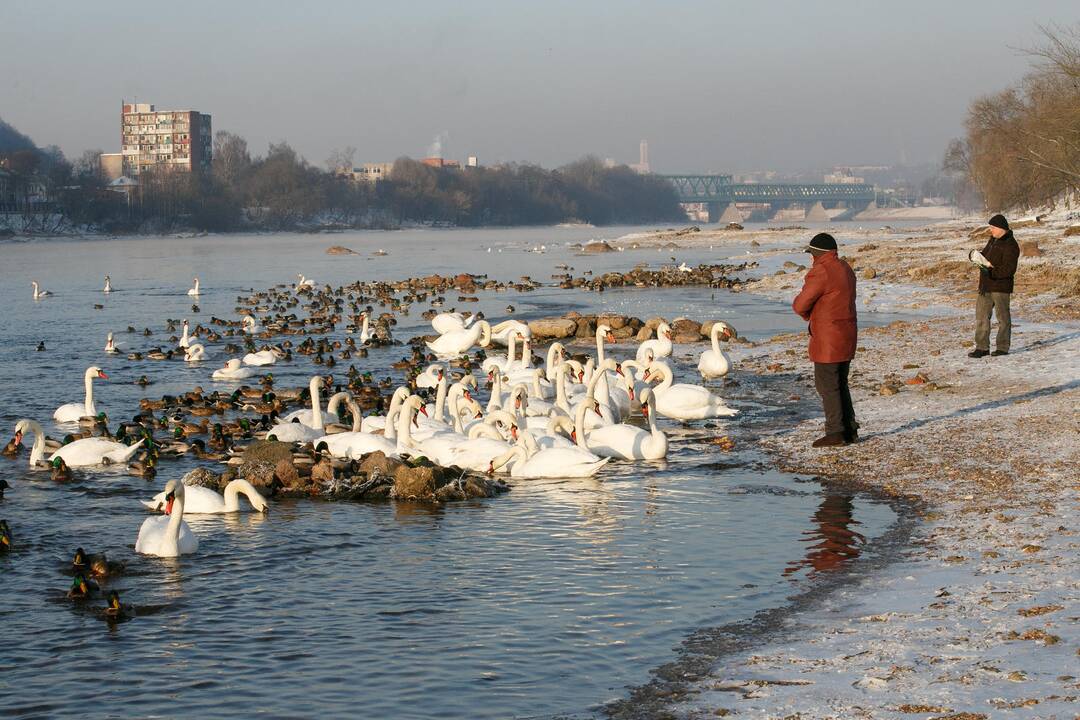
3, 486
96, 565
12, 448
143, 381
41, 346
81, 588
60, 471
116, 611
145, 468
6, 541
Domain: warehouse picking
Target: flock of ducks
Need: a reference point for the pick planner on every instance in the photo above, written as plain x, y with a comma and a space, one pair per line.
563, 416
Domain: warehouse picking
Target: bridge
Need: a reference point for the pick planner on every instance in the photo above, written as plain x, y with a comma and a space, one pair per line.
720, 194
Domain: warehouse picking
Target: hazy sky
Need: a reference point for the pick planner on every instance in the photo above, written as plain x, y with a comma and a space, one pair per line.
713, 85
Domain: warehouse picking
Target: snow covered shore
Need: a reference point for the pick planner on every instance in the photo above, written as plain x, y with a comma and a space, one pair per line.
978, 617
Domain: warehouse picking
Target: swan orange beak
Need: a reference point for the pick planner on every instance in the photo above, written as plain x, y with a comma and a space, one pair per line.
168, 504
631, 392
424, 410
668, 334
101, 374
468, 395
609, 338
645, 411
573, 435
18, 438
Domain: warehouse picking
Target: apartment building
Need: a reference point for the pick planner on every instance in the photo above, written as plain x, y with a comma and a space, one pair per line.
155, 139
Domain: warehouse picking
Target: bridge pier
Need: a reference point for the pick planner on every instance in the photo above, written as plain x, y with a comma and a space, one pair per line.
817, 213
724, 213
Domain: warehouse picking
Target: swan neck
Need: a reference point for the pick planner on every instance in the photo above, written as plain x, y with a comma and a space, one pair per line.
316, 403
37, 451
88, 381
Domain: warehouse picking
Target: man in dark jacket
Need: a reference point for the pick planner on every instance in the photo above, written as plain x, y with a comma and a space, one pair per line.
995, 289
827, 301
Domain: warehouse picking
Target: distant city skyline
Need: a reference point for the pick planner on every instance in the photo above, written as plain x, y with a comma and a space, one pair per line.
712, 87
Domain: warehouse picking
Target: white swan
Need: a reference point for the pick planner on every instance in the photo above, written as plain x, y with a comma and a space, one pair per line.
455, 343
81, 453
185, 338
200, 500
450, 321
295, 430
529, 461
430, 377
314, 416
108, 285
499, 362
232, 371
195, 352
682, 401
71, 412
38, 293
715, 363
366, 332
357, 443
195, 289
475, 453
251, 325
500, 334
627, 442
661, 347
168, 535
303, 282
261, 358
110, 346
371, 423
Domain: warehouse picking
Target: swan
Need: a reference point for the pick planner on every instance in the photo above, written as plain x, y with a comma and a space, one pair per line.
685, 268
430, 377
627, 442
71, 412
251, 325
303, 282
232, 371
185, 338
38, 293
168, 535
456, 342
682, 401
200, 500
108, 285
715, 363
380, 422
484, 442
194, 290
110, 346
195, 352
81, 453
661, 347
450, 321
258, 359
357, 443
500, 334
314, 416
532, 462
500, 363
295, 431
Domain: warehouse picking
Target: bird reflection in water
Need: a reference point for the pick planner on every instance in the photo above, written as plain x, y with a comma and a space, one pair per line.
833, 544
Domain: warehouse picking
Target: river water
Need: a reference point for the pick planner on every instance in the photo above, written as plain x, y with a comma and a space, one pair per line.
546, 601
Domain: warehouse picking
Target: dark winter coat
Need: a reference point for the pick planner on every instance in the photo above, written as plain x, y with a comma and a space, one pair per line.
1003, 254
827, 300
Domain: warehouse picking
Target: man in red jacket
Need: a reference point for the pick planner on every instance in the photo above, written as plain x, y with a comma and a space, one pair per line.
827, 301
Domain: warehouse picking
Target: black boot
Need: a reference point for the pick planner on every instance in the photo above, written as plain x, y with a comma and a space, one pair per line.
978, 353
830, 440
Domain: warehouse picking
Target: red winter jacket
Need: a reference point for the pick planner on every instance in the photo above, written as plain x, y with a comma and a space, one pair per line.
827, 300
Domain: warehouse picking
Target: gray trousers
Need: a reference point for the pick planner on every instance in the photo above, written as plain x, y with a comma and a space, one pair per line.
831, 381
998, 303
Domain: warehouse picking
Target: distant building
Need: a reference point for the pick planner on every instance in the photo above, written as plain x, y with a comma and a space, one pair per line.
843, 176
438, 162
471, 161
112, 165
369, 172
174, 139
642, 165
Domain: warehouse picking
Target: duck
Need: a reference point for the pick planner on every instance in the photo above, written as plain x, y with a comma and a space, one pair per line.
38, 292
81, 587
71, 412
715, 363
683, 401
80, 453
205, 501
3, 486
60, 471
116, 611
168, 535
6, 541
194, 291
97, 565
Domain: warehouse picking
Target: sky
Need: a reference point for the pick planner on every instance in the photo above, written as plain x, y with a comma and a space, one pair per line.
714, 86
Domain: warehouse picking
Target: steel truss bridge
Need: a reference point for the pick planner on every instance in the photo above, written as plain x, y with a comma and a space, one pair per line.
717, 191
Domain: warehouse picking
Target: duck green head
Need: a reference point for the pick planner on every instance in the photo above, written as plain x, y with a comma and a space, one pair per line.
178, 433
58, 463
79, 586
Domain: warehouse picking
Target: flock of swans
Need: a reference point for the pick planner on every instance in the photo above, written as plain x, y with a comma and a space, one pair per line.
562, 418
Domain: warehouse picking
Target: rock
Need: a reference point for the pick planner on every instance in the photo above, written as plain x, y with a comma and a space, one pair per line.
378, 463
598, 247
259, 473
586, 327
554, 328
322, 472
888, 389
1030, 248
685, 326
624, 333
202, 477
733, 226
755, 243
643, 334
612, 321
686, 338
339, 250
869, 274
654, 322
269, 450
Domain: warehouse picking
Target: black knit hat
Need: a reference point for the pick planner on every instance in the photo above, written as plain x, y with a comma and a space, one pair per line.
822, 241
999, 221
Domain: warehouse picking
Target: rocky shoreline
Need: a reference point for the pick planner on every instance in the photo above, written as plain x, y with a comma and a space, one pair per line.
976, 617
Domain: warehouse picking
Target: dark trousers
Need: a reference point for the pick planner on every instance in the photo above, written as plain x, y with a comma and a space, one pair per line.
998, 303
831, 381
